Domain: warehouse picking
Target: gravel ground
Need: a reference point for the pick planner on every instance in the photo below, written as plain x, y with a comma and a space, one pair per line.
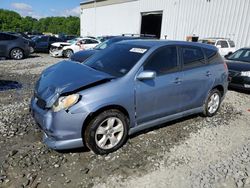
191, 152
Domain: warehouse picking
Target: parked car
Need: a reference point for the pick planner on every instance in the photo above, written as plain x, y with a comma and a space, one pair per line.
67, 49
225, 46
83, 55
239, 69
13, 46
128, 87
43, 43
31, 42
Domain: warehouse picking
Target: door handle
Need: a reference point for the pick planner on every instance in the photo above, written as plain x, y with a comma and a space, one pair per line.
208, 73
177, 81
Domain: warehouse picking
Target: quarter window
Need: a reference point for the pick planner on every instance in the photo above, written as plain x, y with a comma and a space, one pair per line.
163, 61
192, 56
209, 53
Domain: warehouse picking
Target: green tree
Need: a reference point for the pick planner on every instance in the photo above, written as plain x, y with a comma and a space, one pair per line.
12, 21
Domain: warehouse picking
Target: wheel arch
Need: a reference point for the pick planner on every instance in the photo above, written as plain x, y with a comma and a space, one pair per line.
220, 88
100, 110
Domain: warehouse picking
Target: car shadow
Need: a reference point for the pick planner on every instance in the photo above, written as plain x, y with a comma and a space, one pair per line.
76, 150
9, 84
157, 127
239, 90
33, 56
145, 131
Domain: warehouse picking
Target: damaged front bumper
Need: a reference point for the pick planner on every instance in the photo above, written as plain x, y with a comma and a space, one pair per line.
55, 52
62, 130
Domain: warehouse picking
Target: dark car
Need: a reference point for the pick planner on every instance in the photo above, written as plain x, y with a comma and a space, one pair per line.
13, 46
239, 69
83, 55
43, 43
31, 42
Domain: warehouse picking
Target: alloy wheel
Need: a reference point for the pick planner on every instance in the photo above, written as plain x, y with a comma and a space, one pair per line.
109, 133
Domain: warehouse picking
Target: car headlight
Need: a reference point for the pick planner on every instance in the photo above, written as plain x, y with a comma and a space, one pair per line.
246, 73
65, 102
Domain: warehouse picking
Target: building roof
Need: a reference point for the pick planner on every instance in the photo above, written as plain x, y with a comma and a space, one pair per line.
98, 3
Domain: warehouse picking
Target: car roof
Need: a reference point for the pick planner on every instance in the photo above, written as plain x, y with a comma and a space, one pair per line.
159, 43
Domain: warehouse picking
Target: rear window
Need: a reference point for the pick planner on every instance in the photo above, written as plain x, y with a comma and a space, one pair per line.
192, 56
117, 60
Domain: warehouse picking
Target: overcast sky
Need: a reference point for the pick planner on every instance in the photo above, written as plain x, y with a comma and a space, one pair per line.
43, 8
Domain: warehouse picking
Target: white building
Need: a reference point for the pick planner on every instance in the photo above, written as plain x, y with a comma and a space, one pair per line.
171, 19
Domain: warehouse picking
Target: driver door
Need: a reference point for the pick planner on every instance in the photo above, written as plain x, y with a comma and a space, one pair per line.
159, 97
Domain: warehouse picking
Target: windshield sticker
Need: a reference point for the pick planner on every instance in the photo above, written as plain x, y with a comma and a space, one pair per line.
138, 50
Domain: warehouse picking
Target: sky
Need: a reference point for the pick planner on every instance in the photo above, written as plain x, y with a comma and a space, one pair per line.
43, 8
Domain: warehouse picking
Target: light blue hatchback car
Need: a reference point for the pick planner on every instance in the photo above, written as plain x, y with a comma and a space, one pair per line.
128, 87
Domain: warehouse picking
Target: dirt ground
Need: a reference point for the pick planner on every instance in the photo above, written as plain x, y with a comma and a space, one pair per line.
191, 152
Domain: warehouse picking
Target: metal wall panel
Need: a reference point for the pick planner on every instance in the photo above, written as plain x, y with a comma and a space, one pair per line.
205, 18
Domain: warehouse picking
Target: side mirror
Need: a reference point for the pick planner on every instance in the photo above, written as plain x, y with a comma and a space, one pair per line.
146, 75
218, 46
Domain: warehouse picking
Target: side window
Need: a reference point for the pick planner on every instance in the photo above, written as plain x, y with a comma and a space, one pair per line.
223, 44
53, 39
192, 56
94, 42
42, 39
4, 37
231, 43
163, 61
1, 37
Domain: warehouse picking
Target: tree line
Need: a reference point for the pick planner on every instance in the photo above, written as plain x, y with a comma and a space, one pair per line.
12, 21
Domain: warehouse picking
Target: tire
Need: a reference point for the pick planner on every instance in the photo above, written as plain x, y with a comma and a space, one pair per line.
16, 54
68, 53
212, 103
100, 132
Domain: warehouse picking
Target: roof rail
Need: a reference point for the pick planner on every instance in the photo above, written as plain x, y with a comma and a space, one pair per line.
139, 35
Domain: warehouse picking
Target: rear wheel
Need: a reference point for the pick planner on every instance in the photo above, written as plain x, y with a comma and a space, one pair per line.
107, 132
68, 53
212, 103
16, 54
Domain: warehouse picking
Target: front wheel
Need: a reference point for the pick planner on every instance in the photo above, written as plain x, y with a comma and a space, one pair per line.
212, 103
107, 132
68, 53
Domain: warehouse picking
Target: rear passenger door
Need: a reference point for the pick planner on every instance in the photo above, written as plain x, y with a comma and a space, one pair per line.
197, 77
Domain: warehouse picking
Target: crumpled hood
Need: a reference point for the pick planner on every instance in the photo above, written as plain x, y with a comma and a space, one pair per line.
58, 44
65, 77
238, 65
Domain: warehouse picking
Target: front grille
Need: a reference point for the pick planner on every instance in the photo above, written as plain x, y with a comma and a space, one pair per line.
41, 103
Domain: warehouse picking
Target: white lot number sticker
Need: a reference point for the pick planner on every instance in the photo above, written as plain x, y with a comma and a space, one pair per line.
138, 50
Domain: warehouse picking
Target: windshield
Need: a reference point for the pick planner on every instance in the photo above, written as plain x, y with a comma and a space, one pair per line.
240, 55
117, 60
